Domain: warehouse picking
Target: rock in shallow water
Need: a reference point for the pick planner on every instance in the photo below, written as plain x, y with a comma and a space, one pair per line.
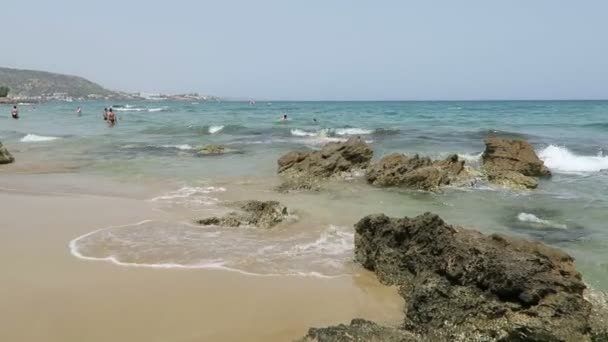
212, 150
251, 213
420, 173
461, 285
5, 156
512, 163
335, 158
358, 330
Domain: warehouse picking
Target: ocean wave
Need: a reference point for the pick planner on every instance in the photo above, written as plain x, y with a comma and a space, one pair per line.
215, 129
352, 131
188, 196
535, 220
37, 138
560, 159
183, 147
470, 157
195, 129
302, 133
166, 245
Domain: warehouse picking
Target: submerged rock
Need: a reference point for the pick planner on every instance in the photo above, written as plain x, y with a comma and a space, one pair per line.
210, 150
358, 330
251, 213
417, 172
512, 163
5, 156
462, 285
302, 169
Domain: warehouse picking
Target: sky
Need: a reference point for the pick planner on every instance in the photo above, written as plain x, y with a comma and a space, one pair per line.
319, 49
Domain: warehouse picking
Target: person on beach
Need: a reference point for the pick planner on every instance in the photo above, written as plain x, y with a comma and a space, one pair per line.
15, 112
111, 117
105, 113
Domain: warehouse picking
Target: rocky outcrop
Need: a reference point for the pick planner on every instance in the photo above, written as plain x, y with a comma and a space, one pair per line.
5, 156
301, 169
462, 285
250, 213
358, 330
512, 163
420, 173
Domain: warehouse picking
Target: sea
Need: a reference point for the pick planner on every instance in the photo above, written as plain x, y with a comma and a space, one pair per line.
154, 146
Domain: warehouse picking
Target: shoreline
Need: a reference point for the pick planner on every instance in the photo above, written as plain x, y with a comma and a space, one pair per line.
66, 295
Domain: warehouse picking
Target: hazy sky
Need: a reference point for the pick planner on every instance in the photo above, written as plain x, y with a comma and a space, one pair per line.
319, 49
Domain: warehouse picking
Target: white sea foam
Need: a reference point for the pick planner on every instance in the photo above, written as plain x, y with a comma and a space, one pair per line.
156, 109
531, 218
215, 129
352, 131
470, 157
302, 133
129, 109
333, 241
168, 245
188, 192
183, 147
561, 159
37, 138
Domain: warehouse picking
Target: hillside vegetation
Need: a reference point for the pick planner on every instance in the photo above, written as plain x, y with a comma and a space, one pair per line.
31, 83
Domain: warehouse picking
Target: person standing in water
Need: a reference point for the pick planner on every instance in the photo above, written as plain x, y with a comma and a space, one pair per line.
105, 113
285, 119
79, 111
15, 112
111, 117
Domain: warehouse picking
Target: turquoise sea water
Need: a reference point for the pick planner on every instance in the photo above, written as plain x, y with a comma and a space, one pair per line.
156, 142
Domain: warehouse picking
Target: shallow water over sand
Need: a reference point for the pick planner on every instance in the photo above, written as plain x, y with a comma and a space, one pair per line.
154, 148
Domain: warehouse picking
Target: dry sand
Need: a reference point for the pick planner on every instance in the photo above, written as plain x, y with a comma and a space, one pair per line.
46, 294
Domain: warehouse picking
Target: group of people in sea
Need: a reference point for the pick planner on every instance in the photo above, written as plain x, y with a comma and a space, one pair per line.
108, 114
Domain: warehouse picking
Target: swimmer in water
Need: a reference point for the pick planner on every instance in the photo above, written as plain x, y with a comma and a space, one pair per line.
15, 113
105, 113
284, 118
79, 111
111, 117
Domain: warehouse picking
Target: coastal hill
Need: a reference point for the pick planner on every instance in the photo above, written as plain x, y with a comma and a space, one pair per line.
46, 85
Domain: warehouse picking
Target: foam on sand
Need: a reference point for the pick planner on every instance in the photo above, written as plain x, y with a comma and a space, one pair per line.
37, 138
255, 252
561, 159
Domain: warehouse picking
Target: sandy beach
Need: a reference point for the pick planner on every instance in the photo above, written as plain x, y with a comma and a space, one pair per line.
47, 294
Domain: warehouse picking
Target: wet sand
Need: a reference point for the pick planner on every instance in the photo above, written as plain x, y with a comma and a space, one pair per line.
46, 294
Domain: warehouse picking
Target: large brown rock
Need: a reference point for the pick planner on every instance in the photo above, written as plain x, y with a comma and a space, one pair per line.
305, 168
461, 285
417, 172
5, 156
506, 160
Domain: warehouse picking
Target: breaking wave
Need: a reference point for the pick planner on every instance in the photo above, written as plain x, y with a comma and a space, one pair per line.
535, 220
561, 159
326, 253
37, 138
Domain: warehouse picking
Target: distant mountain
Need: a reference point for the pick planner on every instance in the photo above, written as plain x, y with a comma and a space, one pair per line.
47, 85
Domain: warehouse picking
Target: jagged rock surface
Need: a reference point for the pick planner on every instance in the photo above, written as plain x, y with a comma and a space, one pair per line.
251, 213
304, 170
512, 163
5, 155
420, 173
